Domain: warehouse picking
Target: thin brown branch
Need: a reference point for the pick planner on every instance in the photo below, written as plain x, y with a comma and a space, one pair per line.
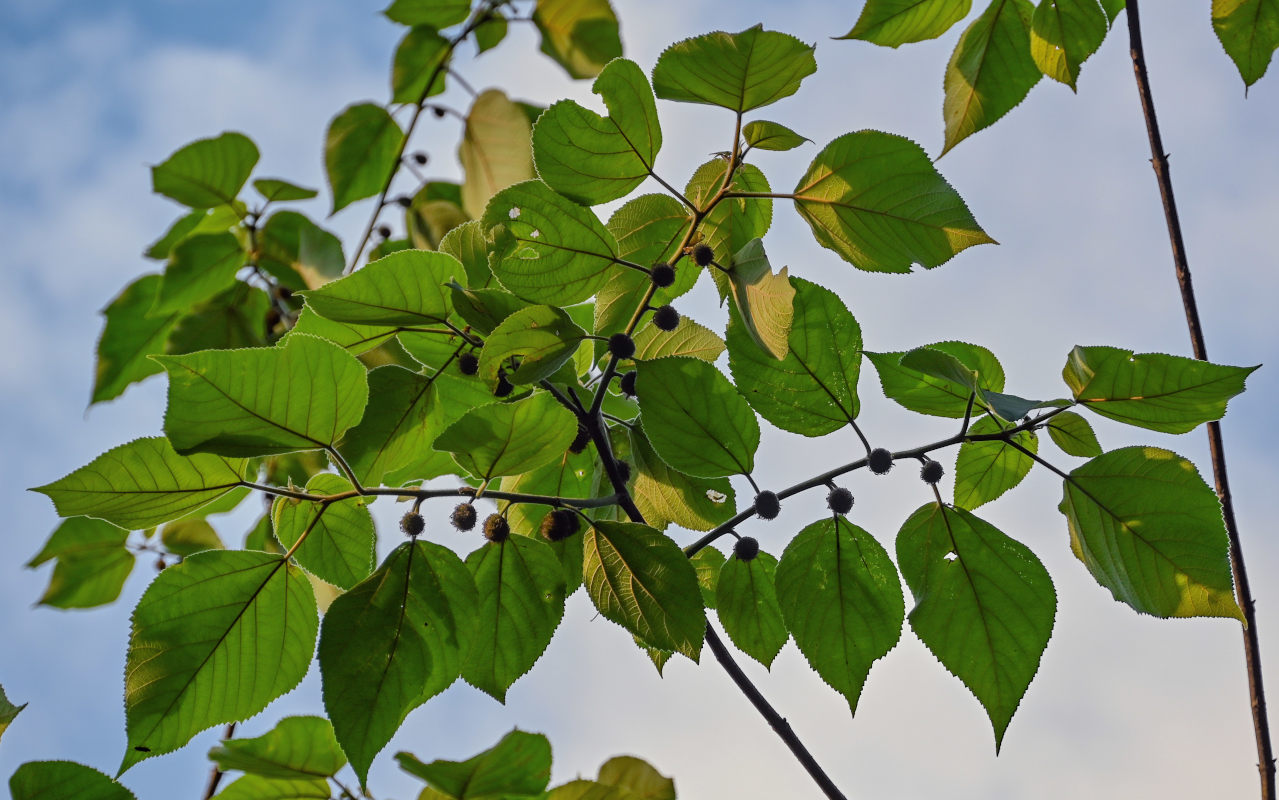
215, 776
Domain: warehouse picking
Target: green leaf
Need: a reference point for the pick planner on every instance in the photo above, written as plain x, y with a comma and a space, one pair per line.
485, 309
360, 149
990, 71
763, 299
297, 252
1164, 393
546, 248
421, 56
187, 537
8, 712
509, 438
403, 418
339, 542
466, 243
302, 394
278, 191
393, 642
542, 338
436, 13
648, 229
708, 562
429, 219
521, 591
218, 219
490, 33
92, 564
496, 150
984, 470
297, 748
1073, 435
207, 172
215, 639
128, 337
1063, 34
1150, 530
688, 339
893, 23
984, 604
47, 780
518, 765
144, 483
233, 319
696, 420
570, 475
256, 787
741, 71
592, 159
748, 609
580, 35
199, 267
1010, 407
357, 339
733, 222
841, 600
404, 288
638, 777
813, 389
1249, 31
765, 135
926, 393
640, 579
877, 201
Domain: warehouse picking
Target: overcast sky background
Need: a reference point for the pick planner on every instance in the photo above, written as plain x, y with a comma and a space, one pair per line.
1124, 705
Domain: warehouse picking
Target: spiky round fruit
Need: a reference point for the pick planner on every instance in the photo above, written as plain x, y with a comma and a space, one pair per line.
468, 363
932, 471
580, 442
666, 318
560, 524
627, 384
880, 461
703, 255
621, 345
412, 524
463, 517
662, 275
504, 386
840, 500
767, 505
624, 469
496, 528
746, 548
384, 231
420, 158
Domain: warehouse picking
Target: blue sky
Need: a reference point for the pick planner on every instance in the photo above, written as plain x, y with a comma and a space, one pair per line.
1124, 705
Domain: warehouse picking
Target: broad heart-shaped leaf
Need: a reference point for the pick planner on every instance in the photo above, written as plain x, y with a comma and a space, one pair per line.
466, 243
421, 56
360, 149
300, 395
542, 338
1249, 32
338, 547
199, 267
927, 393
593, 159
813, 389
404, 288
128, 337
763, 299
580, 35
404, 416
509, 438
1150, 530
877, 201
207, 172
356, 339
393, 642
436, 13
984, 604
1164, 393
278, 191
92, 564
517, 766
256, 787
640, 579
8, 711
664, 495
1073, 435
297, 747
695, 419
648, 228
688, 339
1063, 33
186, 537
144, 483
496, 151
984, 470
893, 23
765, 135
546, 248
741, 71
215, 639
47, 780
637, 777
521, 591
747, 606
990, 71
841, 600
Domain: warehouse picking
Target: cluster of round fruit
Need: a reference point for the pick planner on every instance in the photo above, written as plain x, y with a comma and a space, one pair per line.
557, 525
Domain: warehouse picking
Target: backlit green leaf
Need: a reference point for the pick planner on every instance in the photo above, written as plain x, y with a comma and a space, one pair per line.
436, 13
339, 536
927, 393
186, 537
199, 267
542, 338
765, 135
763, 299
1249, 31
748, 609
207, 172
581, 35
741, 71
984, 470
892, 23
256, 787
1073, 435
648, 229
278, 191
360, 149
297, 252
421, 56
637, 777
8, 712
48, 780
128, 337
696, 420
688, 339
733, 222
403, 418
429, 219
570, 475
509, 438
517, 766
297, 747
664, 495
1063, 34
91, 567
496, 150
466, 243
235, 318
404, 288
356, 339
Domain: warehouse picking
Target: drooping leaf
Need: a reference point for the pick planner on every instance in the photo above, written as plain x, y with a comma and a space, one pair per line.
762, 299
1073, 435
47, 780
893, 23
747, 606
542, 338
92, 564
496, 149
360, 149
302, 394
1010, 407
404, 288
841, 600
1150, 530
339, 536
928, 393
297, 747
128, 337
877, 201
695, 419
278, 191
766, 135
509, 438
435, 13
581, 35
741, 71
984, 604
207, 172
1063, 34
421, 56
984, 470
144, 483
199, 267
517, 766
256, 787
1249, 31
186, 537
215, 639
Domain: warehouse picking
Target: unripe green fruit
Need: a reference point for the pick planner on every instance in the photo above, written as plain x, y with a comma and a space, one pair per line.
880, 461
504, 387
666, 318
627, 384
703, 255
496, 528
767, 505
468, 363
560, 524
463, 517
412, 524
746, 548
582, 439
662, 275
621, 345
932, 471
840, 500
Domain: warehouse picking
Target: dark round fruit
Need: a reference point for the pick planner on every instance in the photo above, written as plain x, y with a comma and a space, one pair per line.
767, 505
468, 363
412, 524
662, 275
880, 461
932, 471
463, 517
438, 111
703, 255
384, 231
403, 201
621, 345
628, 384
666, 318
560, 524
840, 500
283, 292
496, 528
580, 442
420, 158
504, 387
746, 548
624, 469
